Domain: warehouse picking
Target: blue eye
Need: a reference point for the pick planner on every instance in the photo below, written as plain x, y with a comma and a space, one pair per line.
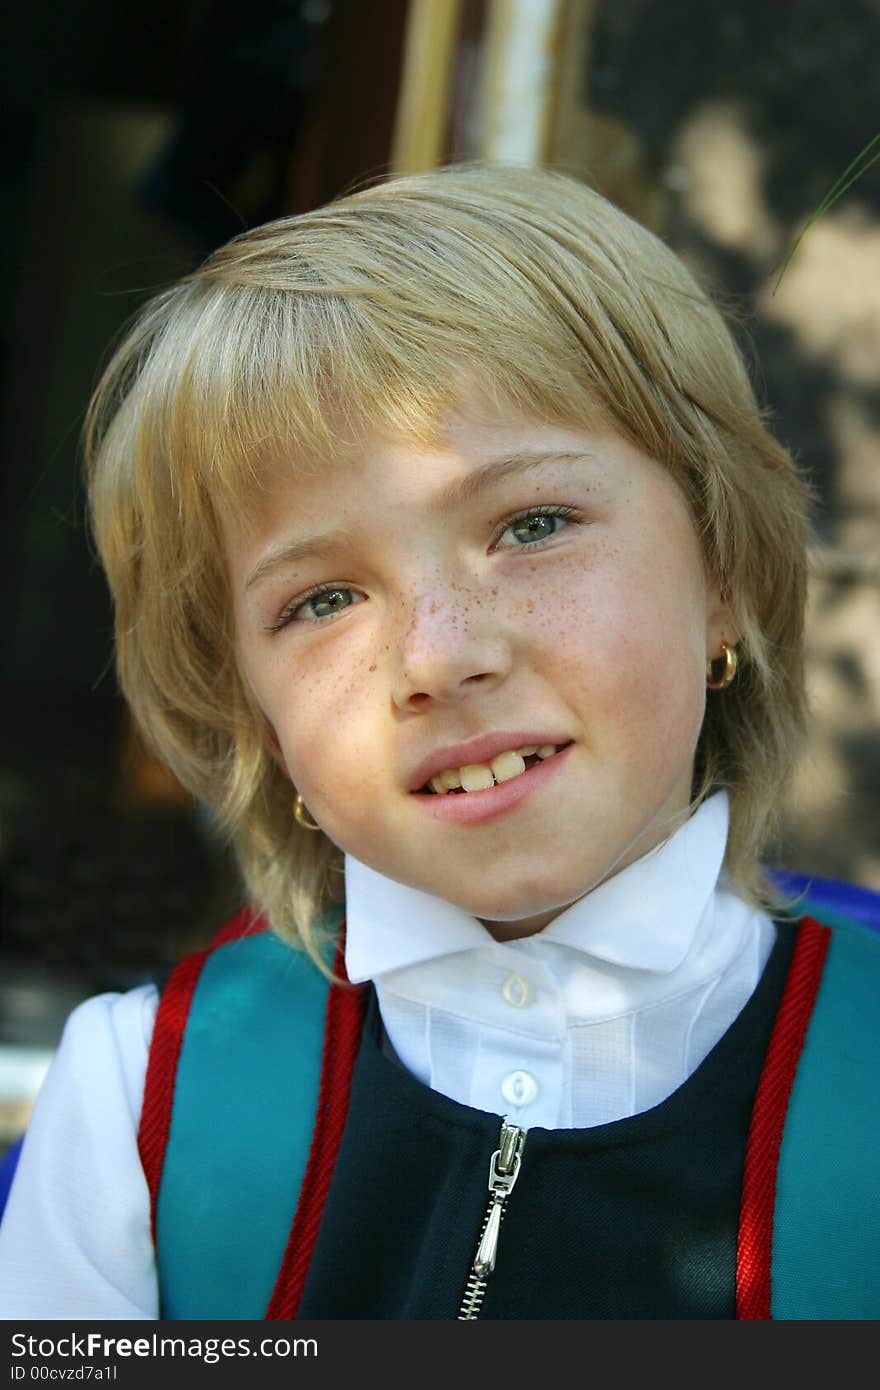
324, 604
318, 607
536, 525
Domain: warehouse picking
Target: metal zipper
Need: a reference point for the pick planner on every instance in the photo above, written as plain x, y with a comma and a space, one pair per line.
503, 1172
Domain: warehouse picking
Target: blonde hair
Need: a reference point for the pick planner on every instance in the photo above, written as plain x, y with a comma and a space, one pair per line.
380, 308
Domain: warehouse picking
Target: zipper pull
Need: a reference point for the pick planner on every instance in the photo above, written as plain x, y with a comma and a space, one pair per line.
504, 1168
484, 1261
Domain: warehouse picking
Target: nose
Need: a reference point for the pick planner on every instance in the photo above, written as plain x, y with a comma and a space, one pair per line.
451, 646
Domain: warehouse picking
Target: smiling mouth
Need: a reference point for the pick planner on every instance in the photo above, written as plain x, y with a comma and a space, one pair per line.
478, 777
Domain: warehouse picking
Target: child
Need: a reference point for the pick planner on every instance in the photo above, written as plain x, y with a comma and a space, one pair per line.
453, 564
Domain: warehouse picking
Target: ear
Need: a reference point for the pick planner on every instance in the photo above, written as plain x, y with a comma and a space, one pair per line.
273, 747
721, 626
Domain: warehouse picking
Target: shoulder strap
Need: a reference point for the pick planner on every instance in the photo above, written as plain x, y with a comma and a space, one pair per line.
176, 996
810, 1225
826, 1239
233, 1089
345, 1016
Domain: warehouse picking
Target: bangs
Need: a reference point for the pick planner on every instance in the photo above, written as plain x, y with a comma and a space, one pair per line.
391, 309
266, 376
292, 343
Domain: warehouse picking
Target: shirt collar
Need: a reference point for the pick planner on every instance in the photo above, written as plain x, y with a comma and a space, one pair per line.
645, 917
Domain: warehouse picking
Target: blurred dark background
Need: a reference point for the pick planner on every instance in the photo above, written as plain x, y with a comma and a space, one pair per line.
138, 137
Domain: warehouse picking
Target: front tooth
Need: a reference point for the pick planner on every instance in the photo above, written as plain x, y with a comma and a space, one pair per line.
528, 752
476, 777
449, 780
547, 750
445, 781
507, 765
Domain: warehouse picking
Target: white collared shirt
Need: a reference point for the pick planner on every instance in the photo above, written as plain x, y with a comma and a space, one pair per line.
601, 1015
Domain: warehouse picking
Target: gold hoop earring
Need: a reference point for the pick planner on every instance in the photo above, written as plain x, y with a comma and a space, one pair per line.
301, 815
730, 664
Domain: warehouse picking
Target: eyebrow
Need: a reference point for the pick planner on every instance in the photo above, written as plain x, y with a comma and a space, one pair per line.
288, 552
479, 479
455, 494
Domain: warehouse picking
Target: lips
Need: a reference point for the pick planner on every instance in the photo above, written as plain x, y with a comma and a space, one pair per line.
475, 808
479, 750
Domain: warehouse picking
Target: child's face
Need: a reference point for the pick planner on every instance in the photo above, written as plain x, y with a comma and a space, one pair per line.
555, 598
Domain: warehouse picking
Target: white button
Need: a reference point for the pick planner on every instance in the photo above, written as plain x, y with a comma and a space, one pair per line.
519, 1088
517, 991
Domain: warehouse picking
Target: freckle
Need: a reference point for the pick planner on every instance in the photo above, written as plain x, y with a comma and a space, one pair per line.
372, 668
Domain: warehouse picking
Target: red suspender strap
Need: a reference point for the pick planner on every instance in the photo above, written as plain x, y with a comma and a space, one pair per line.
344, 1018
345, 1012
768, 1118
168, 1030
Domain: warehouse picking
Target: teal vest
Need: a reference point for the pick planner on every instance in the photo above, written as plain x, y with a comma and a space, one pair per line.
245, 1093
826, 1228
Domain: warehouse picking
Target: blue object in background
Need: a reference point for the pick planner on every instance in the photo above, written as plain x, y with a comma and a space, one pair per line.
7, 1170
830, 895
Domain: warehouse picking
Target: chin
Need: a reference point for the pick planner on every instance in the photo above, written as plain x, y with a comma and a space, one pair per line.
517, 904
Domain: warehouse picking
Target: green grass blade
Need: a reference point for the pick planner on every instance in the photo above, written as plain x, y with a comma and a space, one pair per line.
854, 171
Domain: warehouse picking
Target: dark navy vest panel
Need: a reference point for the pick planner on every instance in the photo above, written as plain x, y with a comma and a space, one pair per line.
635, 1219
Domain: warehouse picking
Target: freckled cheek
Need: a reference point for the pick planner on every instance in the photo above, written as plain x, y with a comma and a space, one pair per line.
623, 644
323, 715
593, 619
